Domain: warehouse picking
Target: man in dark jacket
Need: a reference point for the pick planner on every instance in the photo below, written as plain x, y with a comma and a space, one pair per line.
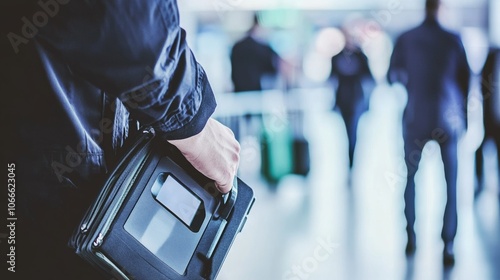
432, 64
491, 112
352, 73
253, 61
254, 67
72, 72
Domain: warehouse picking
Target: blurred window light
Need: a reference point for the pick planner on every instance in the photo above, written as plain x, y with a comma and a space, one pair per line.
280, 18
284, 42
213, 53
329, 42
476, 46
316, 67
232, 5
494, 23
374, 42
379, 51
238, 21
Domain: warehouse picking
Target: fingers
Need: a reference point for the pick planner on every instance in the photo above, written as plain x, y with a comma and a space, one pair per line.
231, 157
224, 188
214, 152
225, 183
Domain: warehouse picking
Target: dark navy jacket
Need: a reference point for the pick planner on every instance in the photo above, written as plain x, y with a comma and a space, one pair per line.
350, 68
252, 60
432, 64
74, 70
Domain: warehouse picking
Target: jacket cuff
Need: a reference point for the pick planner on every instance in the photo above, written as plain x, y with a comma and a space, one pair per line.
198, 122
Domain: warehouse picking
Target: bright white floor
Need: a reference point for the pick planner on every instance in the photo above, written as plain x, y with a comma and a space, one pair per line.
321, 227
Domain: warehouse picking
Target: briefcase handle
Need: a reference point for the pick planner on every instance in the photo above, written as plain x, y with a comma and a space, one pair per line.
228, 201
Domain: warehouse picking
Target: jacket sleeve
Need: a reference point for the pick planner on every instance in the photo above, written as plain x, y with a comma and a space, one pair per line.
137, 52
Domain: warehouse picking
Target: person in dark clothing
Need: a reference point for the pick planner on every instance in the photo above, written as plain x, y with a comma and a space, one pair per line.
491, 112
72, 73
352, 73
431, 63
252, 61
254, 67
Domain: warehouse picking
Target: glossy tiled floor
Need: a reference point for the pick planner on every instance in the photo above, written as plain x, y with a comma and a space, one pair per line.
330, 225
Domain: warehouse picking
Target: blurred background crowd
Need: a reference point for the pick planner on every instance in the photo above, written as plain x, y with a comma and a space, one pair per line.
303, 84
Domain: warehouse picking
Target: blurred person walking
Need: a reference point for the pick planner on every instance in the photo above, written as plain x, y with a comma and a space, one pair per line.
254, 67
431, 63
351, 71
253, 62
491, 113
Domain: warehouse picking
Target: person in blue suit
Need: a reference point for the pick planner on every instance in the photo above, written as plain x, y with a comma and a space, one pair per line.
351, 71
491, 112
253, 60
431, 63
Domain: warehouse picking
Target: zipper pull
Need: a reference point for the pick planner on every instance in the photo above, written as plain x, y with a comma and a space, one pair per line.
84, 228
98, 241
148, 130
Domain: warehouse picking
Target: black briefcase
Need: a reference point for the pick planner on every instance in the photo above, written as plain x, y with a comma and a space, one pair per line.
157, 217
